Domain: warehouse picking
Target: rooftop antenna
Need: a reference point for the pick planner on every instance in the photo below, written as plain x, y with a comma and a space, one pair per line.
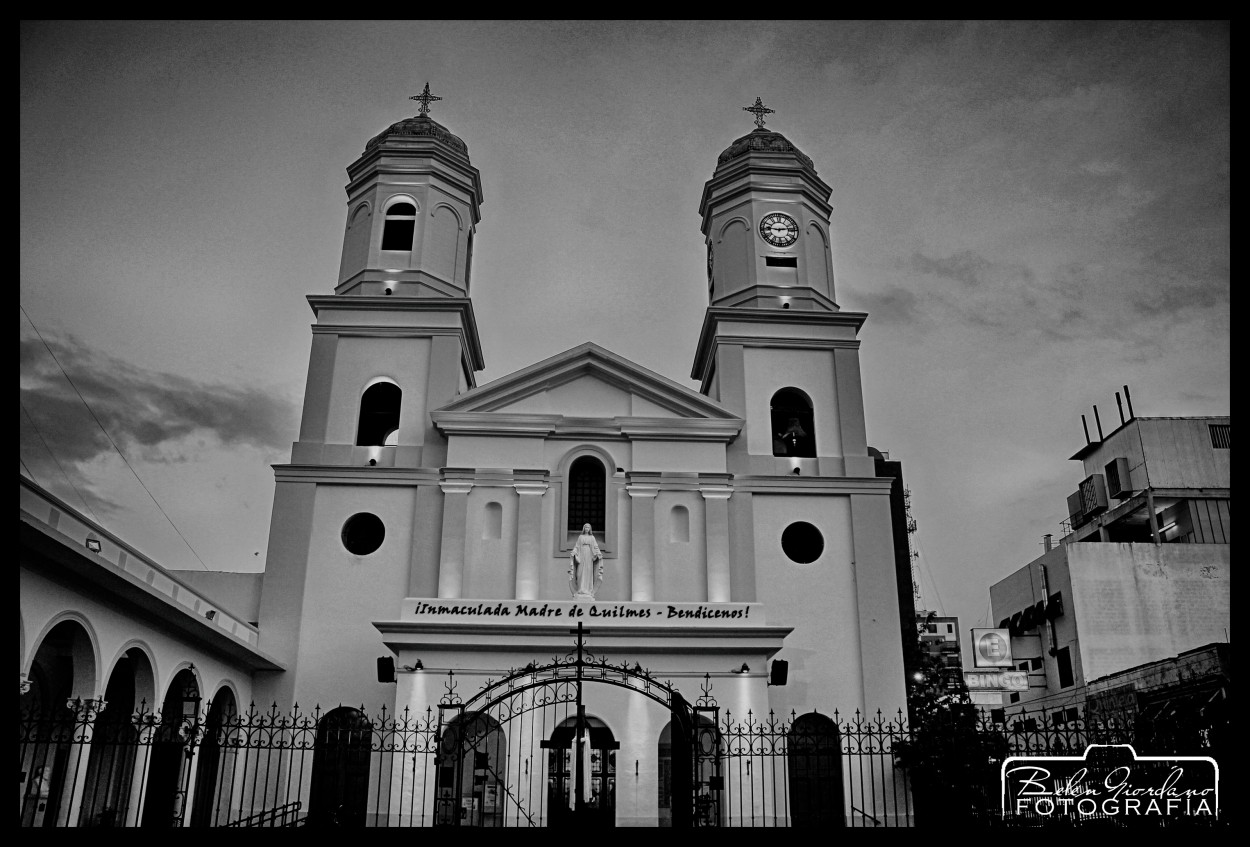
1098, 423
1120, 407
1128, 399
1085, 426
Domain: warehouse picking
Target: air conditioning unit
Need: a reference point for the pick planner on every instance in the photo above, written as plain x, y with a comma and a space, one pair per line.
1075, 513
1093, 495
1118, 485
1088, 500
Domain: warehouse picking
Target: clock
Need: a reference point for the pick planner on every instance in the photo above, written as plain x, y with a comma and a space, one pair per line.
779, 230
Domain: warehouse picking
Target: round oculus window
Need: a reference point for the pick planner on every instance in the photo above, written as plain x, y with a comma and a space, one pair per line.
363, 533
802, 542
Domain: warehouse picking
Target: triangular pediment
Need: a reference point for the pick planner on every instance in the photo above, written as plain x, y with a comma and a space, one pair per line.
584, 386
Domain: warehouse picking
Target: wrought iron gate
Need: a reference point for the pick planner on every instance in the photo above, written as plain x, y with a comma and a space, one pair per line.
489, 774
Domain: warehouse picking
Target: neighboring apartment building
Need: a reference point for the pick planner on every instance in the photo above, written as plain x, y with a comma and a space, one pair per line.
1143, 575
939, 637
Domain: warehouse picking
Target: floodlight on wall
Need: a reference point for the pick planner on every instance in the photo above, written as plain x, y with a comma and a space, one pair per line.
93, 544
210, 614
795, 472
744, 669
418, 666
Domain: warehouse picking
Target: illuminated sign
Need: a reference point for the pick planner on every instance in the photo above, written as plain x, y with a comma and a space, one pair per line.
991, 648
996, 680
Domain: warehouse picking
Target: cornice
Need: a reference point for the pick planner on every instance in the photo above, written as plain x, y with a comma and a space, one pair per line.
709, 337
522, 424
373, 303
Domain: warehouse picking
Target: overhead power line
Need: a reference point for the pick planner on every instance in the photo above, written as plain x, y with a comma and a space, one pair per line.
95, 418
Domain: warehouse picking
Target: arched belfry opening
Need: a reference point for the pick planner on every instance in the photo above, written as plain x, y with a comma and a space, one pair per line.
587, 494
400, 225
379, 415
794, 430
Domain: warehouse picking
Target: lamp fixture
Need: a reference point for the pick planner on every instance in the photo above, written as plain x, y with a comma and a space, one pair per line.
210, 614
744, 669
93, 544
418, 666
795, 472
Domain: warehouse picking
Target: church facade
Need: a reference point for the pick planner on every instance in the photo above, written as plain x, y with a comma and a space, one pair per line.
425, 533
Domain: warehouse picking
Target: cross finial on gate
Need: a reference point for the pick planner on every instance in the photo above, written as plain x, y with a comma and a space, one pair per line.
425, 98
758, 109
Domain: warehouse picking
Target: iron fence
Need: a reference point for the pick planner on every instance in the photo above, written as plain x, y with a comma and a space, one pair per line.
82, 766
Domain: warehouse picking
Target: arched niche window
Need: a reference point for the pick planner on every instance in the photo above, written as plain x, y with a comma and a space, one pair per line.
379, 415
587, 494
814, 761
401, 223
468, 262
492, 522
679, 524
794, 431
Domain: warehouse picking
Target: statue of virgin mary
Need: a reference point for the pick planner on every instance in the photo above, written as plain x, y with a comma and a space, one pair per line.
585, 565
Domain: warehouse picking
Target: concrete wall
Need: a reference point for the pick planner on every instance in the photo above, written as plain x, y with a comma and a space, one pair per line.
1139, 603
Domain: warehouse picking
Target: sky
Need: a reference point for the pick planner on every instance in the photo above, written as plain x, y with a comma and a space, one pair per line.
1032, 215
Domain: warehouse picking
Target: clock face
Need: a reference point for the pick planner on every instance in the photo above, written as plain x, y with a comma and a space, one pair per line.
779, 230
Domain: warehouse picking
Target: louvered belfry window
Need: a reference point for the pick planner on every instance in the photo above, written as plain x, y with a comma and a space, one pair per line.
587, 485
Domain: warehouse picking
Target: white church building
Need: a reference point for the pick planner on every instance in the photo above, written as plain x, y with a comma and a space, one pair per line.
423, 538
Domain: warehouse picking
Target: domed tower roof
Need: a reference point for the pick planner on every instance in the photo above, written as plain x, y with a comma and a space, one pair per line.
419, 127
763, 141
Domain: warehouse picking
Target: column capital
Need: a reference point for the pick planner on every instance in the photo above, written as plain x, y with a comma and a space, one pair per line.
716, 492
642, 490
538, 488
456, 486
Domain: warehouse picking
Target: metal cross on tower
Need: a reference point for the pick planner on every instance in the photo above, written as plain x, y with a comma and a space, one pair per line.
425, 98
759, 110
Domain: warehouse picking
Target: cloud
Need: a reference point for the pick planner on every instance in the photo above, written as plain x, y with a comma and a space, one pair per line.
148, 411
970, 268
891, 305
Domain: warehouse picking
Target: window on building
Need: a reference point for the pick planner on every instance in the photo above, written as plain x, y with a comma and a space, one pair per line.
1034, 665
587, 494
794, 430
1221, 436
379, 415
1063, 659
401, 223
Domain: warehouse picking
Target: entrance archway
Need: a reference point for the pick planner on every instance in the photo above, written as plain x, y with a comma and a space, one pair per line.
213, 781
339, 794
169, 769
598, 774
538, 710
55, 721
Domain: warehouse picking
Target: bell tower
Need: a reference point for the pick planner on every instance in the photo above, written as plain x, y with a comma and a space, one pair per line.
775, 347
809, 520
413, 203
766, 224
358, 510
